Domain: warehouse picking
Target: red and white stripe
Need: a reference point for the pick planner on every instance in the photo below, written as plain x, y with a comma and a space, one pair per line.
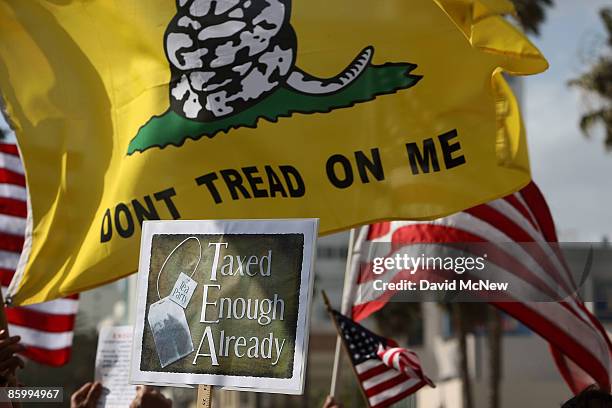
578, 341
384, 385
404, 361
46, 329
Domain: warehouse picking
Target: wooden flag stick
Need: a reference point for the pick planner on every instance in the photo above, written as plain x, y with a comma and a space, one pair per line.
335, 368
205, 394
347, 272
328, 305
346, 350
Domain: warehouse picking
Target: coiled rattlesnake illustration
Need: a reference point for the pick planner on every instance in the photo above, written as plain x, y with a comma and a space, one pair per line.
227, 55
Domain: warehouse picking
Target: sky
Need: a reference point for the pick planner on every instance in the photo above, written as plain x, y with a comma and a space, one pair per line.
574, 173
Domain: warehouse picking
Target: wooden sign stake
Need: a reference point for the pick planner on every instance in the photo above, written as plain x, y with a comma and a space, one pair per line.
205, 393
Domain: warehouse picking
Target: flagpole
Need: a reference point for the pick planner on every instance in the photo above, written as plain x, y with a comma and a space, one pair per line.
334, 379
347, 270
343, 346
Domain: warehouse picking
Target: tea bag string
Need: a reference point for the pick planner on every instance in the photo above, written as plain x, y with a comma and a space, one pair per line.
170, 254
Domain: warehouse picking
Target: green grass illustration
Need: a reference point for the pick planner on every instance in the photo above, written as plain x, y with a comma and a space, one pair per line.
172, 129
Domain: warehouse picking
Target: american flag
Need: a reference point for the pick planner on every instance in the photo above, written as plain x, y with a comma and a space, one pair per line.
46, 329
579, 344
374, 359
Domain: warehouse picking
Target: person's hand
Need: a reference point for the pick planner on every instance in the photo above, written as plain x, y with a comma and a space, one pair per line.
86, 396
9, 362
148, 397
330, 402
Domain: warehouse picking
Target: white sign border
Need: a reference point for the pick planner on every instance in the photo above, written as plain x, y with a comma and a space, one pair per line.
294, 385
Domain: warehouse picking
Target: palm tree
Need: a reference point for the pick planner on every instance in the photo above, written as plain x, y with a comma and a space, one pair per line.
531, 13
598, 83
469, 318
494, 338
460, 316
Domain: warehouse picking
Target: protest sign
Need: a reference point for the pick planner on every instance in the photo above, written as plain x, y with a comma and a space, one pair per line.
224, 303
112, 366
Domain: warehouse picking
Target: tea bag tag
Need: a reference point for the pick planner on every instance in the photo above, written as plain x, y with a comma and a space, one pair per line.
183, 290
167, 319
171, 332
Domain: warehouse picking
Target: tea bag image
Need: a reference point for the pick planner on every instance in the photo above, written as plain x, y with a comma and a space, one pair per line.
170, 331
166, 318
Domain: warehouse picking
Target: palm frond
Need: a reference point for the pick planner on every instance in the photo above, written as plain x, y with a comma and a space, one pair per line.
598, 82
598, 79
606, 16
531, 13
589, 119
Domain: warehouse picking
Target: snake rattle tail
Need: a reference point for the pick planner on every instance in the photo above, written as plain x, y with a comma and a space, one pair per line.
306, 83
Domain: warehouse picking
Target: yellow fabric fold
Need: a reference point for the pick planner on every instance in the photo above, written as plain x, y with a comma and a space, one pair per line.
484, 26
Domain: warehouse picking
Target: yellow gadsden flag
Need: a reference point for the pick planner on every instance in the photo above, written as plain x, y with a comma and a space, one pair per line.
351, 111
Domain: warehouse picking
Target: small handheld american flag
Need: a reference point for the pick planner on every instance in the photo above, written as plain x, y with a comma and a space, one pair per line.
386, 373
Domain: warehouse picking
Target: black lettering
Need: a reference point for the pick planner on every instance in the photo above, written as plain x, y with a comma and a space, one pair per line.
374, 166
424, 160
276, 186
105, 236
331, 171
127, 230
448, 150
166, 197
142, 213
233, 180
254, 181
295, 183
209, 181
